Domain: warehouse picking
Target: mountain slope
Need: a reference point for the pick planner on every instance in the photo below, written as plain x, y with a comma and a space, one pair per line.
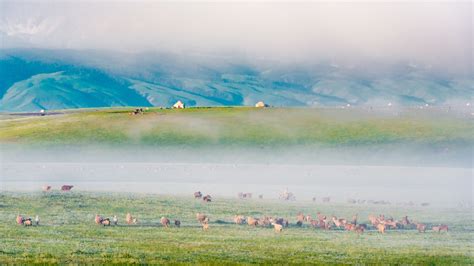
50, 79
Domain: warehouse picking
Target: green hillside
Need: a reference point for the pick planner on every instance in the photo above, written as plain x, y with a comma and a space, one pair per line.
240, 126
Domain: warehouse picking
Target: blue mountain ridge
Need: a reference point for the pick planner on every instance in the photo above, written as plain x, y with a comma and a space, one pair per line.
33, 79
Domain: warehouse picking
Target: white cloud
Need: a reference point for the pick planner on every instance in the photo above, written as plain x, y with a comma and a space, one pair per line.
431, 33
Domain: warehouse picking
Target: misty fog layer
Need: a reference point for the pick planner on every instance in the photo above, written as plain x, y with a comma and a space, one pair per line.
339, 173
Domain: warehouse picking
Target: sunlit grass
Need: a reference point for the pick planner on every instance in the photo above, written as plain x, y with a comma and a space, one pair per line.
239, 126
67, 233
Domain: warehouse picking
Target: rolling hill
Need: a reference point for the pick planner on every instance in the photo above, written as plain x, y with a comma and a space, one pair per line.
33, 79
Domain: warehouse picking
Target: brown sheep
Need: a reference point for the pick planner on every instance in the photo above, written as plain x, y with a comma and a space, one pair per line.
391, 224
20, 219
354, 219
66, 187
349, 227
308, 218
98, 219
205, 224
265, 221
374, 220
405, 221
177, 223
277, 227
201, 217
359, 229
381, 228
130, 220
197, 195
300, 217
105, 222
28, 222
165, 221
338, 222
252, 221
440, 228
421, 227
239, 219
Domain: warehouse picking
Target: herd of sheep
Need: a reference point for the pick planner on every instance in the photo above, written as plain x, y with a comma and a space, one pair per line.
379, 223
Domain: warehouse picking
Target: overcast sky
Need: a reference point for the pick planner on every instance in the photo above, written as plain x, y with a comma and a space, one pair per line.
423, 32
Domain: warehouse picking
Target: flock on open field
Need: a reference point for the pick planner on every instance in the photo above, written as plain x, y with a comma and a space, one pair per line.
379, 223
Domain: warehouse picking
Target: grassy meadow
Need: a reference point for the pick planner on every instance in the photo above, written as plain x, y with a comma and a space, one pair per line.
240, 126
68, 234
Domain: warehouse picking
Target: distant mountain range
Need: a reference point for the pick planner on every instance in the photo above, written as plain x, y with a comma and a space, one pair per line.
34, 79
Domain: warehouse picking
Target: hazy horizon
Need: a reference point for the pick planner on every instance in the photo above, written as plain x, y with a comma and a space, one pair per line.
435, 35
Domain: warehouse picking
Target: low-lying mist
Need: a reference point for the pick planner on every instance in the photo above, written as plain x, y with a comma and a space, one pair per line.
398, 174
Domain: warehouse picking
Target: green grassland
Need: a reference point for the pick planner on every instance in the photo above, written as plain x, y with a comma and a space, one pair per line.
240, 126
68, 234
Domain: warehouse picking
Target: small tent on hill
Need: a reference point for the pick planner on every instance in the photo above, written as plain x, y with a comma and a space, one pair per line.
179, 105
261, 104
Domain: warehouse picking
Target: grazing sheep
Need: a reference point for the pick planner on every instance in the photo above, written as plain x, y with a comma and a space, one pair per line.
300, 217
105, 222
239, 219
374, 220
28, 222
46, 188
165, 221
354, 219
205, 224
381, 228
349, 227
391, 224
177, 223
265, 221
197, 195
277, 227
37, 220
20, 219
421, 227
207, 198
201, 217
252, 221
98, 219
115, 220
338, 222
405, 221
360, 229
66, 187
439, 228
308, 218
130, 220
